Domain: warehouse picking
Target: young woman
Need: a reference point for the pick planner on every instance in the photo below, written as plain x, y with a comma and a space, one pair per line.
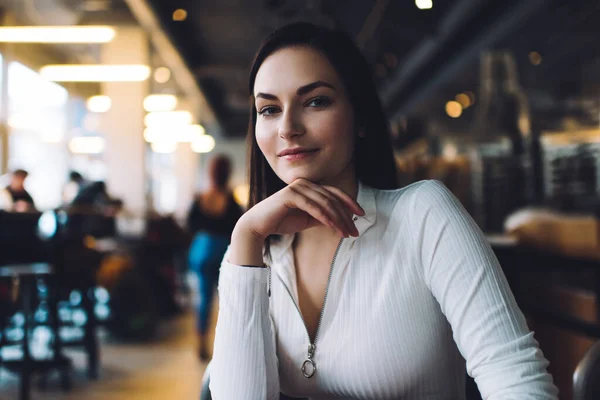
368, 292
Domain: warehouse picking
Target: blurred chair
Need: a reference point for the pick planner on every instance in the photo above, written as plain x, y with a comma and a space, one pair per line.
28, 276
586, 379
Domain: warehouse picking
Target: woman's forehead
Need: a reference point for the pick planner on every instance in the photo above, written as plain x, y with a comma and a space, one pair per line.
292, 67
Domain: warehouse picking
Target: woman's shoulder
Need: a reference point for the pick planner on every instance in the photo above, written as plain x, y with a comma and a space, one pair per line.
421, 191
417, 199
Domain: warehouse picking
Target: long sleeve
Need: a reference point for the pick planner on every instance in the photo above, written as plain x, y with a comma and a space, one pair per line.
244, 364
462, 272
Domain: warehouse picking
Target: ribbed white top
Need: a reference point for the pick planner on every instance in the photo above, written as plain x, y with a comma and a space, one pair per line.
414, 296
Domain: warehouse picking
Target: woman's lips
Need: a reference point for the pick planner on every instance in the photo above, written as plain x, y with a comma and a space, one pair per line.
299, 156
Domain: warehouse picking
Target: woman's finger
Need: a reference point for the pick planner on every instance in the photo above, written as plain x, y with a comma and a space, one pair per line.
348, 201
314, 200
331, 200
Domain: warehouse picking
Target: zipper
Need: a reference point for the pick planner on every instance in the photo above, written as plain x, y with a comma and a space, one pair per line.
309, 367
269, 284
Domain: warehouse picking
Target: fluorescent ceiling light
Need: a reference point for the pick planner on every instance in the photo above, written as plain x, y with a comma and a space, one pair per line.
191, 133
95, 73
87, 145
203, 144
164, 147
162, 74
160, 102
168, 119
182, 134
22, 122
424, 4
56, 34
99, 104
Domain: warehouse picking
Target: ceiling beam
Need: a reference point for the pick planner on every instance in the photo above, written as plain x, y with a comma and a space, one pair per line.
371, 23
426, 50
438, 59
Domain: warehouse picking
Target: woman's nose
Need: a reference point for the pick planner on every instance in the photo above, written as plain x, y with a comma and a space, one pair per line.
290, 126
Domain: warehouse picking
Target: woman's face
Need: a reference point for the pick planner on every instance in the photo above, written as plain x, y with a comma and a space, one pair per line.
304, 125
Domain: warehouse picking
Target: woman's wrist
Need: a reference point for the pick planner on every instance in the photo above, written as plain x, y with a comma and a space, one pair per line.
246, 247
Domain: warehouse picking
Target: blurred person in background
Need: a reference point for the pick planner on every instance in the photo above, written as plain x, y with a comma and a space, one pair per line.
211, 220
72, 187
15, 197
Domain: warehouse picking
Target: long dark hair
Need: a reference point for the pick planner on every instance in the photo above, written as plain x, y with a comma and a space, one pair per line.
373, 154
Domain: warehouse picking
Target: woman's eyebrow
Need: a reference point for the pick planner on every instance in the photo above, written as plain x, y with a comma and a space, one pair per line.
312, 86
302, 90
266, 96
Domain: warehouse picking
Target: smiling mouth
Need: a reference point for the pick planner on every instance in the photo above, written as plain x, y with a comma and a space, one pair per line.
298, 155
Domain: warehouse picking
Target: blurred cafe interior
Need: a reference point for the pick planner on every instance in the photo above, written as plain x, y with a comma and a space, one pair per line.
111, 112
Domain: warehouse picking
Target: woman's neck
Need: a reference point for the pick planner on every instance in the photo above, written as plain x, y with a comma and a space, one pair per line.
346, 181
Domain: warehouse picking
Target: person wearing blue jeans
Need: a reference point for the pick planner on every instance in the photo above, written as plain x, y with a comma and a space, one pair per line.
211, 220
206, 253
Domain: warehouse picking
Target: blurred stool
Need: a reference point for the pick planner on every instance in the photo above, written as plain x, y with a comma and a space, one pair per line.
26, 277
586, 379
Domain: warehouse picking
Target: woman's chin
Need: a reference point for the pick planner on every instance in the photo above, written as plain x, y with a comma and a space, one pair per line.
291, 177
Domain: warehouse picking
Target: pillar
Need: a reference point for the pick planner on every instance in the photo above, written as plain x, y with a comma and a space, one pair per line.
123, 124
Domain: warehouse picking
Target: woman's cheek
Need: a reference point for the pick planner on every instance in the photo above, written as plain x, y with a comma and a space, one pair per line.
263, 139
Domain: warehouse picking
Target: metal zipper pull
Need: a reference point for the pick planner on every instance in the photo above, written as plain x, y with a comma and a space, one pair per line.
269, 284
309, 367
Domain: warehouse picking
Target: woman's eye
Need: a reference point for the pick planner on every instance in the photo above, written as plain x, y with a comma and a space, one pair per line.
319, 102
267, 111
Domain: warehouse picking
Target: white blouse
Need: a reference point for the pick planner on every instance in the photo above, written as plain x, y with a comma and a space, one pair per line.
415, 295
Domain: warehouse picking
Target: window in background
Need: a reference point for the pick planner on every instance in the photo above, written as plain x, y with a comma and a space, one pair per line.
37, 121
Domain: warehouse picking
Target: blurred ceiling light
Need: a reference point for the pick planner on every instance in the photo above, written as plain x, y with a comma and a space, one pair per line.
87, 145
160, 102
152, 135
471, 97
164, 146
464, 100
22, 122
179, 15
203, 144
450, 152
168, 119
95, 73
424, 4
183, 134
162, 74
535, 58
56, 34
453, 109
191, 133
99, 104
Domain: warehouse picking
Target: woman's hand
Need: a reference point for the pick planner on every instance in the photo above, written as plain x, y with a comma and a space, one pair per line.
298, 206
